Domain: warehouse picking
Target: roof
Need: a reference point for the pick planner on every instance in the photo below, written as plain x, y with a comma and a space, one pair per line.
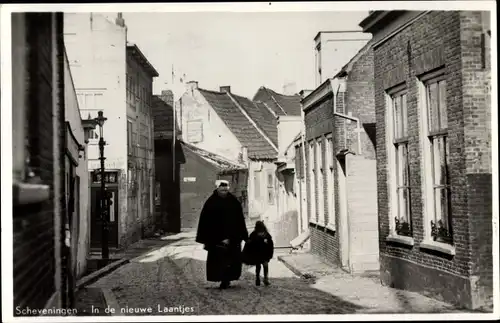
378, 17
136, 53
216, 160
281, 104
163, 115
249, 136
334, 32
261, 116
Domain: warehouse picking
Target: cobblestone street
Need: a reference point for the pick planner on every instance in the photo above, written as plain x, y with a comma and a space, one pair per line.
173, 276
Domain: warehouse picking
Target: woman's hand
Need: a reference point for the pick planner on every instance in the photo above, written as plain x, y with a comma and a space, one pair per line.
225, 241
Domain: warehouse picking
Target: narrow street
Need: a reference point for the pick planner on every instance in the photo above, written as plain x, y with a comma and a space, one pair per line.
174, 275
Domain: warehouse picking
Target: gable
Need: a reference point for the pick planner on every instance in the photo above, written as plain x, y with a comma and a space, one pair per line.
239, 125
281, 104
261, 116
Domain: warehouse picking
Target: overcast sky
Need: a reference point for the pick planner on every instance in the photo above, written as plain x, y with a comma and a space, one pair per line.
243, 50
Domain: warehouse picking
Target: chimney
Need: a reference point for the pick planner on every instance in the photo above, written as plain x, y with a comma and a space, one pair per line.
191, 85
225, 89
290, 88
119, 20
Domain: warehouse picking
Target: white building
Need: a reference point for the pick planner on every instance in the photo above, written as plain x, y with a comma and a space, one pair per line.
333, 49
100, 60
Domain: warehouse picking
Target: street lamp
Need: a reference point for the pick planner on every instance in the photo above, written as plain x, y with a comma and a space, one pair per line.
104, 216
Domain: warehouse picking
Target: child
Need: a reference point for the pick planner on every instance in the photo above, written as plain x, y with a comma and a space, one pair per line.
258, 250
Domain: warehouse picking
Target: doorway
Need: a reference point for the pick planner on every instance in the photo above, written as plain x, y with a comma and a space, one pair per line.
96, 222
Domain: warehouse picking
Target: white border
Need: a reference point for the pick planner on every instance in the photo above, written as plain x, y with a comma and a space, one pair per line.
6, 126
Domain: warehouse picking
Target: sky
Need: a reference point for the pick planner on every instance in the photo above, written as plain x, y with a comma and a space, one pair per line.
241, 49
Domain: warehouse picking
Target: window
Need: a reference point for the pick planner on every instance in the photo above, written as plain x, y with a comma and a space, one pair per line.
270, 187
256, 183
320, 181
330, 223
436, 157
94, 135
127, 86
399, 172
129, 137
312, 191
143, 99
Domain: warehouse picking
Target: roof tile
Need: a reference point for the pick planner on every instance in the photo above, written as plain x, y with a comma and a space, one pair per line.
240, 126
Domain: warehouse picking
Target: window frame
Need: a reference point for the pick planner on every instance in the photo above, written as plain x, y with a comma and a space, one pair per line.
311, 170
330, 166
320, 181
427, 136
397, 140
130, 145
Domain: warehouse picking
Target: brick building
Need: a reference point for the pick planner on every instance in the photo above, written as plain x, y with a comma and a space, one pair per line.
50, 178
433, 114
340, 167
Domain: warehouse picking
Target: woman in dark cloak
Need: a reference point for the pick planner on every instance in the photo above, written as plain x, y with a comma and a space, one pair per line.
221, 229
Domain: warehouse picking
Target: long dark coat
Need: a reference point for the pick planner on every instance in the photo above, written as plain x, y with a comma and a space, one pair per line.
222, 218
258, 249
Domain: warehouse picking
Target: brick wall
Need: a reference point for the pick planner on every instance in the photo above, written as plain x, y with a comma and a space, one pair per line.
476, 87
33, 225
433, 41
360, 98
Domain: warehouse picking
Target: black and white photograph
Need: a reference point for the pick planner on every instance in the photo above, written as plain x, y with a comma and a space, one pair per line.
249, 161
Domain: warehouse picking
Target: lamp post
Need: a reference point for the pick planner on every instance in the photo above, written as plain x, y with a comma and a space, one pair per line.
104, 214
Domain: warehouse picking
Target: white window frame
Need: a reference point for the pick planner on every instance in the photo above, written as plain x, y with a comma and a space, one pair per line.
428, 196
312, 180
394, 174
270, 187
331, 222
320, 178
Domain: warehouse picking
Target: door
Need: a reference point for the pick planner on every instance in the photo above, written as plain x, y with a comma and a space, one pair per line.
113, 218
96, 222
95, 218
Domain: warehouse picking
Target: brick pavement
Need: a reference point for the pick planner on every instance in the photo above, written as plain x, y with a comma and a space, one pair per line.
172, 278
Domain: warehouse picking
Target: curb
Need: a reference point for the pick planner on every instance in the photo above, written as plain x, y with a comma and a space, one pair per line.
111, 302
295, 270
96, 275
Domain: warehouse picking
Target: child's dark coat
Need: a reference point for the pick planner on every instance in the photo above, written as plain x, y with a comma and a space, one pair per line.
258, 249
